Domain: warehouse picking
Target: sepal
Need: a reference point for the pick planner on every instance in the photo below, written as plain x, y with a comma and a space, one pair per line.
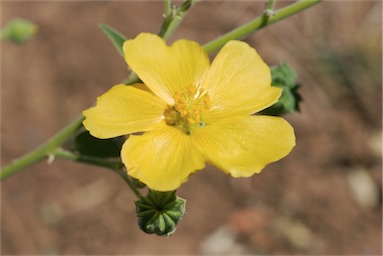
160, 212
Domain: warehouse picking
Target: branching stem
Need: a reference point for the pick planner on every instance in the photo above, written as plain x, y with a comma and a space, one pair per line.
258, 23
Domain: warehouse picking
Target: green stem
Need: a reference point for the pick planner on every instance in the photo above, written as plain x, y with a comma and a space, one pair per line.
258, 23
168, 7
173, 17
268, 12
126, 178
42, 151
270, 5
114, 164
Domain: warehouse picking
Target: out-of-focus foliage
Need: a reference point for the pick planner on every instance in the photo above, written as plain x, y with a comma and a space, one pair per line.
18, 31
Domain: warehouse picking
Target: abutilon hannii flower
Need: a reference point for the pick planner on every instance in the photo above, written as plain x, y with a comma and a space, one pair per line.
188, 112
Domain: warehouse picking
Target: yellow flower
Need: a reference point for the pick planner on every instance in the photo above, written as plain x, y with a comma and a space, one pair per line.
190, 112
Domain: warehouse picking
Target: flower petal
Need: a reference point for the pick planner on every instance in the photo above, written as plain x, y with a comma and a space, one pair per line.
239, 82
244, 146
123, 110
166, 69
162, 158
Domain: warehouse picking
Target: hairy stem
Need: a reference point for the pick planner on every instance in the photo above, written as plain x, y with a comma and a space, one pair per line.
128, 181
114, 164
173, 17
43, 151
268, 12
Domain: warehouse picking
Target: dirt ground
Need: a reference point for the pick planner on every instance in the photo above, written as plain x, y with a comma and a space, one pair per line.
323, 199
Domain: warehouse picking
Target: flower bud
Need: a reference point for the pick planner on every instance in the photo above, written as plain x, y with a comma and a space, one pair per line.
160, 212
19, 30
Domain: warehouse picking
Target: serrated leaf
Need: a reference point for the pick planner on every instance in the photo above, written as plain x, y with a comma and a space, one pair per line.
283, 76
115, 37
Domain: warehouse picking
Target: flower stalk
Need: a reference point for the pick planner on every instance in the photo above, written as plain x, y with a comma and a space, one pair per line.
113, 164
129, 182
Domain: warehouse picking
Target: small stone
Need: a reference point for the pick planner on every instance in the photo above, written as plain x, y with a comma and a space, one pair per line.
375, 142
298, 234
51, 213
223, 241
364, 189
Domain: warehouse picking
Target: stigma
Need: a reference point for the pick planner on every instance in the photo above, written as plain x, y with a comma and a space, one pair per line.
185, 114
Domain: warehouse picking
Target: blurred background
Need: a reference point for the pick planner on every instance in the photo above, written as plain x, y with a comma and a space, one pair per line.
324, 198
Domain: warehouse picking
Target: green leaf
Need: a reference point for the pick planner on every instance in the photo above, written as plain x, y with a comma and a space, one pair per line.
18, 30
115, 37
88, 145
284, 76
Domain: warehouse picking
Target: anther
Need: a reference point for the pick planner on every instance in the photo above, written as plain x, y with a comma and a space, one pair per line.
186, 112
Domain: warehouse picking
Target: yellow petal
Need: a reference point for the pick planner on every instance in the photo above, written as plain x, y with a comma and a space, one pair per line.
123, 110
244, 146
162, 158
239, 82
165, 69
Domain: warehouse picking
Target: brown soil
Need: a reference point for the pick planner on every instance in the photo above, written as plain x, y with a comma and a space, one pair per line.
303, 204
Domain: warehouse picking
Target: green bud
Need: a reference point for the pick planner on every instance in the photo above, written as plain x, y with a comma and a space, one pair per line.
284, 76
159, 212
185, 6
18, 30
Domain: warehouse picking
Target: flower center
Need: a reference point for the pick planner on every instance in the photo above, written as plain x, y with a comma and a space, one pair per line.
186, 112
